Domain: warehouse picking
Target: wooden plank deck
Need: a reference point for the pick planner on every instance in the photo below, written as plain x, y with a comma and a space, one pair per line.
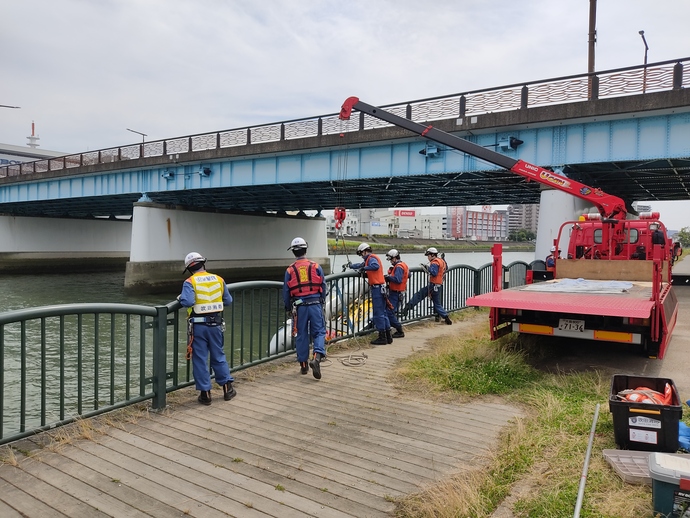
286, 446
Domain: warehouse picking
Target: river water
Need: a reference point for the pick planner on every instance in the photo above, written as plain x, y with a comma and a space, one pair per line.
24, 291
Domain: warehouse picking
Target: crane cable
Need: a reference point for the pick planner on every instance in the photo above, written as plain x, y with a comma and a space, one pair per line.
339, 212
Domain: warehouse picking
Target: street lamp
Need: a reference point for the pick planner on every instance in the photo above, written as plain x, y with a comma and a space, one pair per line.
5, 106
646, 49
143, 135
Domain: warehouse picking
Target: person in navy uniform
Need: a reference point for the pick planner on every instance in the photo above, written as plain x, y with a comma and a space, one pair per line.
551, 258
205, 294
436, 269
397, 277
304, 289
372, 267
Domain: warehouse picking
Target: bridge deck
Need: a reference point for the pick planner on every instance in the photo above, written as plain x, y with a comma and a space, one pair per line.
286, 446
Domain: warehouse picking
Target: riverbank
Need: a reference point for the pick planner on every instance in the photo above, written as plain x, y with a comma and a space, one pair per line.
384, 244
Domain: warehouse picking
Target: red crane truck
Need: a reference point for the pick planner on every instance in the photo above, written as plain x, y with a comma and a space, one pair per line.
614, 283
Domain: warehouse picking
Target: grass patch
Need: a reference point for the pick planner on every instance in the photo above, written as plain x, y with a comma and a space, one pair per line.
535, 470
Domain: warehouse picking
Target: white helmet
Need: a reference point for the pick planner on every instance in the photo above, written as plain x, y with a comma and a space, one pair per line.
553, 248
362, 247
431, 250
298, 243
193, 258
392, 254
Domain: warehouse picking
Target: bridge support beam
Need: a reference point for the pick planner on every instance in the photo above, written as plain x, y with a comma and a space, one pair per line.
238, 247
55, 245
555, 208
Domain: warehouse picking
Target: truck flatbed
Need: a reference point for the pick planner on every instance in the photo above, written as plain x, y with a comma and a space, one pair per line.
634, 302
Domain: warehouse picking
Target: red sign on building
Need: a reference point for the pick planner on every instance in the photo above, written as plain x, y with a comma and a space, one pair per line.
404, 213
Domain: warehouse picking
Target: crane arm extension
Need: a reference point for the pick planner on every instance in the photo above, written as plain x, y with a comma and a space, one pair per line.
609, 206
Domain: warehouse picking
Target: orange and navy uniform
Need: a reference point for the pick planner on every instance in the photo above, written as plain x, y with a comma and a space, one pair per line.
397, 277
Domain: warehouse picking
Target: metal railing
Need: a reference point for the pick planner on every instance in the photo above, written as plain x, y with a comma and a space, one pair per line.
66, 362
653, 77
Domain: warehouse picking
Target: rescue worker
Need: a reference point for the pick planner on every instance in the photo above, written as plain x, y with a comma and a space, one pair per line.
397, 277
205, 295
304, 289
551, 259
677, 252
372, 267
436, 269
658, 237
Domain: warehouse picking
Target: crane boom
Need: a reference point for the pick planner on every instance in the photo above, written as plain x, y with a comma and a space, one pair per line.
609, 206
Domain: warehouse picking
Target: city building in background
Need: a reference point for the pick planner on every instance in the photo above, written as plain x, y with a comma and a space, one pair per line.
523, 217
405, 223
477, 225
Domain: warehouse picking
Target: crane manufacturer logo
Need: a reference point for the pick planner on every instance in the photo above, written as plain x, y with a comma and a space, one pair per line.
554, 179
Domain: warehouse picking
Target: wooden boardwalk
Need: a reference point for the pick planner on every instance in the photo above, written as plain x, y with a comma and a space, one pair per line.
286, 446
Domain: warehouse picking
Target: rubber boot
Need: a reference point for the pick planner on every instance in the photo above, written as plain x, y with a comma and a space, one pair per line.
448, 320
399, 333
229, 391
381, 340
205, 397
315, 364
406, 310
389, 336
303, 368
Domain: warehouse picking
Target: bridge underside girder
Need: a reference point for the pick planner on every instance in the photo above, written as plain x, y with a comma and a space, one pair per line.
660, 180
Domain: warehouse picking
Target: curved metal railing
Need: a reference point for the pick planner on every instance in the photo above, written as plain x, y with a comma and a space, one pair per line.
654, 77
66, 362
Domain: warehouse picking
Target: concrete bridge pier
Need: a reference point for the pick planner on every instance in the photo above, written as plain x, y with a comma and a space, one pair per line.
556, 207
55, 245
238, 246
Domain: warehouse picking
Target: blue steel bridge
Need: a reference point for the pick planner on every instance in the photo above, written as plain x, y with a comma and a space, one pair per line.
626, 131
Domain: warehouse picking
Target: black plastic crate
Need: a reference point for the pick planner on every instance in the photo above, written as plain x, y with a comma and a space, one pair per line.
641, 426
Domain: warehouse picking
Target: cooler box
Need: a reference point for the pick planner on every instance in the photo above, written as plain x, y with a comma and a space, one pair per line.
670, 484
641, 426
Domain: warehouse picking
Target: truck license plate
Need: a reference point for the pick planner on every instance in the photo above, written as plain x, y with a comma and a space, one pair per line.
567, 324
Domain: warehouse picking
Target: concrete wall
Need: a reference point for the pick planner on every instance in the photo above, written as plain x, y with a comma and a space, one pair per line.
238, 246
49, 245
556, 207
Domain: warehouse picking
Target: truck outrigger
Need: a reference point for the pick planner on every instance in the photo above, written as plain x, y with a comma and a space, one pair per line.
614, 283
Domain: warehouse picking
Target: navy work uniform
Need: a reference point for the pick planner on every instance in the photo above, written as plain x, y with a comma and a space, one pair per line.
373, 269
397, 277
304, 289
205, 294
436, 269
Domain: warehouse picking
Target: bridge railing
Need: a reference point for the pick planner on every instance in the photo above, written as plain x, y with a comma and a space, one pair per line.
66, 362
654, 77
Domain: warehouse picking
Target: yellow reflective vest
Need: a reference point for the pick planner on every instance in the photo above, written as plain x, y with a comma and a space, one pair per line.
208, 293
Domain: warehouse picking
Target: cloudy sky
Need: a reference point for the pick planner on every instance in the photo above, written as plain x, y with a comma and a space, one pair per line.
85, 70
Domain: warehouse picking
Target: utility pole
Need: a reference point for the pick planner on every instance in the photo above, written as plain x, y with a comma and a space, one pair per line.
592, 42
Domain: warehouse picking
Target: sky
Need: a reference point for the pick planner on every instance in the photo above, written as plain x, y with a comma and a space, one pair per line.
86, 70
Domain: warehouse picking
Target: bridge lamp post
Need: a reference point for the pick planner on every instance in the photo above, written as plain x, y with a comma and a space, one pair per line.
143, 140
644, 74
143, 135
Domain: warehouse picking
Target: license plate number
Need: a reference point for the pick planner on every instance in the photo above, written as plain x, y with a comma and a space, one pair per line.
567, 324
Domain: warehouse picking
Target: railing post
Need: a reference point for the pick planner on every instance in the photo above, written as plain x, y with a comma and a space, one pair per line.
319, 127
160, 335
408, 112
463, 105
282, 131
361, 121
217, 141
678, 76
594, 88
477, 282
524, 97
249, 136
